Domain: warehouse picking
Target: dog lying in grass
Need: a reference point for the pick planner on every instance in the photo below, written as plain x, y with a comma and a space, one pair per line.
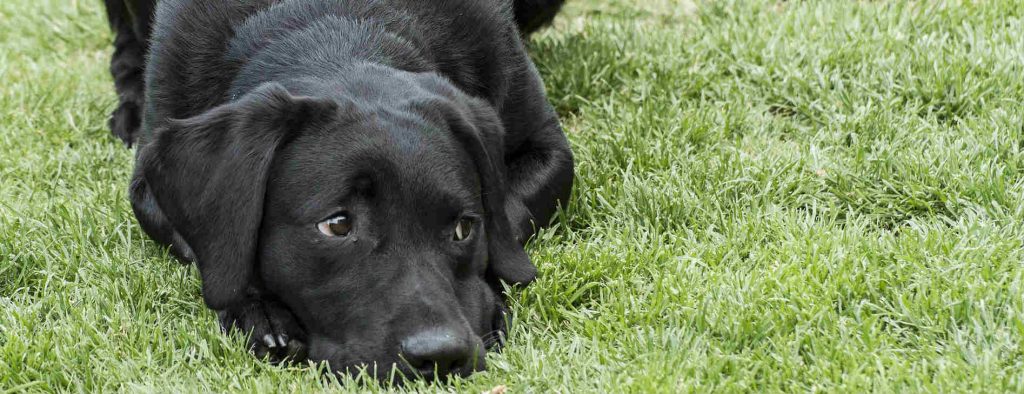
353, 178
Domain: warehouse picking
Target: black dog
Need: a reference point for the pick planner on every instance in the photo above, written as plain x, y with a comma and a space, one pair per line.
353, 178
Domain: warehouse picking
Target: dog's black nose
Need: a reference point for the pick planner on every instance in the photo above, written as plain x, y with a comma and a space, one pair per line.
438, 352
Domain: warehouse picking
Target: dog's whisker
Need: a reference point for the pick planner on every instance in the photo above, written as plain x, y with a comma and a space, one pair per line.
493, 338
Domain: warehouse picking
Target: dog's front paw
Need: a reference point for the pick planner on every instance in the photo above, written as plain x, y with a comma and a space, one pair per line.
125, 121
271, 329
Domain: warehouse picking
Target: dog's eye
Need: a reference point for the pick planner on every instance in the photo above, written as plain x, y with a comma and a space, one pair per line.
337, 226
463, 229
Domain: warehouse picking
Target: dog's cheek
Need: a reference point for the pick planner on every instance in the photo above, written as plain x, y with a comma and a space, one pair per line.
286, 262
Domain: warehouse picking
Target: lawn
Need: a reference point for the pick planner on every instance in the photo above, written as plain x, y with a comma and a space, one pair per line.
771, 196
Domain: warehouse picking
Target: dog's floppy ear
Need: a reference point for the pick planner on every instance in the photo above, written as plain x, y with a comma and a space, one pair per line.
479, 129
209, 174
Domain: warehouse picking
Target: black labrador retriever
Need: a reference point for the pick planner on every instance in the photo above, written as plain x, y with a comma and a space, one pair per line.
353, 178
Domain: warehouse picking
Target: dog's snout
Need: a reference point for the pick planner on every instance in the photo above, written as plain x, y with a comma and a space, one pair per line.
439, 352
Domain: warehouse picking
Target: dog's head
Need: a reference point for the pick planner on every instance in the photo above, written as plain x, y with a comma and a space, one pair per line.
380, 223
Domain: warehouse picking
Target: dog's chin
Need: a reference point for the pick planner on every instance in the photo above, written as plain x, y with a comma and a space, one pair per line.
344, 361
390, 369
396, 373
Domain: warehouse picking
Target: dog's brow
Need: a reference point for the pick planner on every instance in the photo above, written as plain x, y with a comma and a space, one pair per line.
320, 203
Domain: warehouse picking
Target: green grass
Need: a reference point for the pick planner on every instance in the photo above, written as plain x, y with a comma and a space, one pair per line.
771, 196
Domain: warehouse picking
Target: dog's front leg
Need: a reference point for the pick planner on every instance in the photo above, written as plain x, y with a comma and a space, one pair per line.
127, 67
534, 14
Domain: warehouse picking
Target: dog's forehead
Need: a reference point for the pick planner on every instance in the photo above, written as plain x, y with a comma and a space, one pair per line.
403, 158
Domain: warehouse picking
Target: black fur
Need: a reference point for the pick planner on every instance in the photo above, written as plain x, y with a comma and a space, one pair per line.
531, 15
131, 24
260, 119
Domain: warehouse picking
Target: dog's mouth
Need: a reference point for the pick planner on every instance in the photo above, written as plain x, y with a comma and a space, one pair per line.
494, 340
